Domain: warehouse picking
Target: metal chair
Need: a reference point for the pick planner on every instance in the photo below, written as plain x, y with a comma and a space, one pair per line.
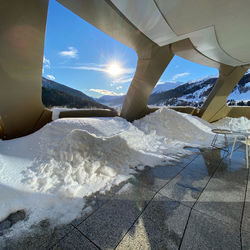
218, 132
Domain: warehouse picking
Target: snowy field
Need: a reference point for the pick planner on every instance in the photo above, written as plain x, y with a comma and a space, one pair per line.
49, 173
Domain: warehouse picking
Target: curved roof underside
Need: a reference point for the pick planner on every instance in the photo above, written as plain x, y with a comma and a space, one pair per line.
217, 29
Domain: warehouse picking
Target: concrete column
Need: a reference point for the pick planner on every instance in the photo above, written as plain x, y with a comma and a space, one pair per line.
215, 107
150, 66
22, 32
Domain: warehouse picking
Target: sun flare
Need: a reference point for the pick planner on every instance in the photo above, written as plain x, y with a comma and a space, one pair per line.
114, 69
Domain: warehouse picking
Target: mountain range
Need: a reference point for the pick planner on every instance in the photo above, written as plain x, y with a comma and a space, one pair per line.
192, 93
59, 95
111, 100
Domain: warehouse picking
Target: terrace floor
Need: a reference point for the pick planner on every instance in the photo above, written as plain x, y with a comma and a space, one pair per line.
201, 203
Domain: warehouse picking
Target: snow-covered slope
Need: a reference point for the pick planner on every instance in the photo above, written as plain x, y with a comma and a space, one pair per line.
194, 93
166, 86
49, 173
241, 94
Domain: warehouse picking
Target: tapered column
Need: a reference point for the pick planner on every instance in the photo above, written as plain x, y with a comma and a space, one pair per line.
22, 32
215, 107
150, 66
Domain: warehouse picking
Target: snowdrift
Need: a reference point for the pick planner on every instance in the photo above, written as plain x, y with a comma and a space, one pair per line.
236, 124
50, 172
173, 125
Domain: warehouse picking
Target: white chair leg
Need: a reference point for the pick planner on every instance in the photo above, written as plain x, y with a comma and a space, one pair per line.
247, 154
235, 139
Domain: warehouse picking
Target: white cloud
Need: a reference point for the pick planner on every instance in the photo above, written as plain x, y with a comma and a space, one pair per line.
129, 71
71, 52
160, 82
126, 75
163, 82
175, 77
119, 87
101, 68
121, 80
106, 92
90, 67
51, 77
46, 63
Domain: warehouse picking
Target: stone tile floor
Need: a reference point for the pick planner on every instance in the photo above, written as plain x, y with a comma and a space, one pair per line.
201, 203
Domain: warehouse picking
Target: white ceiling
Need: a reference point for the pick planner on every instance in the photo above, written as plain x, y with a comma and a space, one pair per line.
218, 29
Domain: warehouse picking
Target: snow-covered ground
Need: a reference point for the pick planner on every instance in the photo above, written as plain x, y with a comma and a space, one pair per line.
196, 96
237, 96
234, 124
49, 173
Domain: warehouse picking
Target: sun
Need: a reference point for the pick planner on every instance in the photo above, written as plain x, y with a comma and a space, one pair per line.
114, 69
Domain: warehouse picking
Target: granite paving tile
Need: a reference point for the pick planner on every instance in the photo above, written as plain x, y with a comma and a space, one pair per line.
207, 162
75, 240
245, 240
161, 226
224, 195
109, 224
205, 232
38, 237
186, 187
57, 234
155, 178
246, 214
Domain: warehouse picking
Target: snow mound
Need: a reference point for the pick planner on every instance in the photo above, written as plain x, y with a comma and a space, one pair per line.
173, 125
51, 172
38, 206
241, 123
83, 163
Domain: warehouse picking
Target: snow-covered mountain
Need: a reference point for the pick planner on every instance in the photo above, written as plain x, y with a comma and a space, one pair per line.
194, 93
166, 86
118, 100
240, 94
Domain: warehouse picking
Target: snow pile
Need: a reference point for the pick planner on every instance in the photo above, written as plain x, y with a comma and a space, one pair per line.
83, 163
236, 124
49, 173
177, 126
38, 206
81, 156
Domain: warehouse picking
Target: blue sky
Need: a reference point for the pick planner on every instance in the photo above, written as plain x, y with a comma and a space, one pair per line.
77, 54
